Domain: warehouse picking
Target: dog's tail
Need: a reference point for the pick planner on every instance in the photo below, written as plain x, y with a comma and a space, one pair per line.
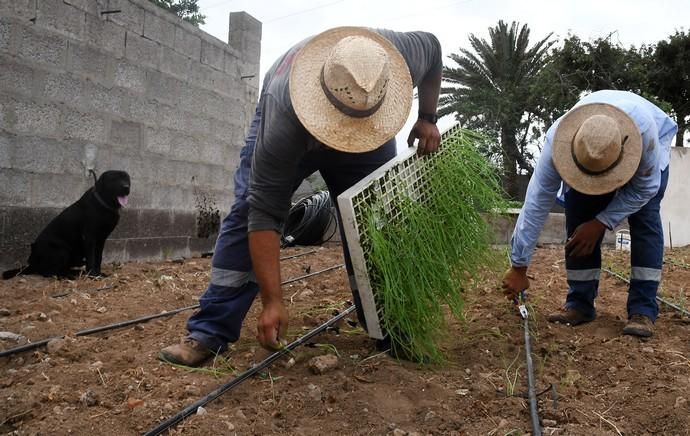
93, 173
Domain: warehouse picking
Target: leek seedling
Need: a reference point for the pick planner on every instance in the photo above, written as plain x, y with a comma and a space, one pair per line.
422, 249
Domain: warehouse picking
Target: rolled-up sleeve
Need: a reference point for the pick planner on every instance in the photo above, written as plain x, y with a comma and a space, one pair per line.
541, 195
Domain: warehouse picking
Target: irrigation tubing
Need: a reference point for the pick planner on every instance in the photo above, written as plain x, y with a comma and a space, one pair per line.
91, 331
531, 391
298, 255
192, 408
678, 264
662, 300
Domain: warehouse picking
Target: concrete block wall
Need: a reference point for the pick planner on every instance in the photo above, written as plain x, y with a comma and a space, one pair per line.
675, 207
121, 84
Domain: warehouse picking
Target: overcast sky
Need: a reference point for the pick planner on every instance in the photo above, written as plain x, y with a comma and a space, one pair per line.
286, 22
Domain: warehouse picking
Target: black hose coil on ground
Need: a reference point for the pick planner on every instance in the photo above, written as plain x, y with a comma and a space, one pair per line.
308, 221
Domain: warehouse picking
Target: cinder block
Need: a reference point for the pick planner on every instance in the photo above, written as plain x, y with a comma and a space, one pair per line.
159, 223
185, 147
212, 54
203, 76
15, 77
86, 126
144, 248
115, 250
162, 87
36, 118
16, 187
196, 124
126, 134
145, 111
21, 9
92, 7
159, 29
6, 148
5, 34
113, 101
158, 140
62, 18
106, 35
242, 21
130, 76
131, 15
142, 51
40, 47
37, 155
61, 88
172, 118
231, 63
89, 62
26, 224
175, 64
57, 190
212, 151
187, 43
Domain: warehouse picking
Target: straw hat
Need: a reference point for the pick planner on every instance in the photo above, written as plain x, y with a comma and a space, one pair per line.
596, 148
351, 89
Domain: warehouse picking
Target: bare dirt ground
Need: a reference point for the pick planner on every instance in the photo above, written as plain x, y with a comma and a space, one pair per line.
595, 381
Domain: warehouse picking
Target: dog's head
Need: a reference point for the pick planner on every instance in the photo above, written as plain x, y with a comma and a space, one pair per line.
113, 187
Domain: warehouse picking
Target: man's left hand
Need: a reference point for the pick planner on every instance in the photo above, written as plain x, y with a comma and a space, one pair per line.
585, 238
428, 135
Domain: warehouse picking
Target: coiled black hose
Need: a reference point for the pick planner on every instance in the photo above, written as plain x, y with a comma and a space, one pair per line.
309, 220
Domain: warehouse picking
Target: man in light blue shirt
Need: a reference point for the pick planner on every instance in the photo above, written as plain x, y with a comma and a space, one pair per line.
610, 154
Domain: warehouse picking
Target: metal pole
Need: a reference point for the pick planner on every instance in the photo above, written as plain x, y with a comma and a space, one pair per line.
179, 416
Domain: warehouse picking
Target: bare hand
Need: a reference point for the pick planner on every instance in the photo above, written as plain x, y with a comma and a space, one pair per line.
272, 325
428, 136
515, 281
585, 238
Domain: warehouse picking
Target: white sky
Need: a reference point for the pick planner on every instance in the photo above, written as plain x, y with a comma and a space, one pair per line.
286, 22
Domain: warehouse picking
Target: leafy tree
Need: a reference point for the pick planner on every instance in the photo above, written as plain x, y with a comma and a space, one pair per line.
188, 10
669, 78
493, 92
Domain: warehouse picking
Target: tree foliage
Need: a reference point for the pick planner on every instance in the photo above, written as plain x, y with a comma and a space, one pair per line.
188, 10
669, 78
493, 91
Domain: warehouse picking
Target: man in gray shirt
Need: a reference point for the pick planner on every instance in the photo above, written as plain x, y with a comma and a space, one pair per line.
332, 103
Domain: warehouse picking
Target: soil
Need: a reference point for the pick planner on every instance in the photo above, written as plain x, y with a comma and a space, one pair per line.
592, 379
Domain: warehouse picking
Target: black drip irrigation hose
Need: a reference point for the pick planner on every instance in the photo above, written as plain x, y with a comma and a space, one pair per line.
91, 331
662, 300
308, 221
531, 391
298, 255
192, 408
678, 264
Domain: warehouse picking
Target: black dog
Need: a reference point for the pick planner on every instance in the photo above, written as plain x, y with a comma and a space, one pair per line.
77, 236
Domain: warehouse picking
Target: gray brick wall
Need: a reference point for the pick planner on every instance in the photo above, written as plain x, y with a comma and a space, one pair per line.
120, 84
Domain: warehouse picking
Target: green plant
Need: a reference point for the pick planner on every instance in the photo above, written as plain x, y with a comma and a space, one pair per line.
511, 374
420, 261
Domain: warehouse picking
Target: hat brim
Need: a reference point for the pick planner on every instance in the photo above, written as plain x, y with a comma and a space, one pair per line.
617, 176
328, 124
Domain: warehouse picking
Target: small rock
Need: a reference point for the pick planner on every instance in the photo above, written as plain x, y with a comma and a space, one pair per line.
201, 411
13, 337
139, 327
55, 345
89, 398
192, 390
230, 425
399, 432
5, 311
97, 365
240, 414
73, 301
503, 423
42, 317
462, 392
102, 309
548, 423
647, 349
290, 363
429, 416
468, 371
134, 402
680, 402
323, 364
314, 392
168, 406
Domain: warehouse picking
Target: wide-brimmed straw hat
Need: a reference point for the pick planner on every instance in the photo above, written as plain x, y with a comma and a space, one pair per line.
596, 148
351, 89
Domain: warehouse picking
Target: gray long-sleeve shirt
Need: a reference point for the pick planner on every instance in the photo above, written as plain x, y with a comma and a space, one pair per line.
282, 141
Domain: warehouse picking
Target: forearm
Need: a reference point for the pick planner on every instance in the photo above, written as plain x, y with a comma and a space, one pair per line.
264, 247
428, 91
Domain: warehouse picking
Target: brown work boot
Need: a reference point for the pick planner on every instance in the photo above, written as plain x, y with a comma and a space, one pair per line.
569, 316
188, 352
639, 325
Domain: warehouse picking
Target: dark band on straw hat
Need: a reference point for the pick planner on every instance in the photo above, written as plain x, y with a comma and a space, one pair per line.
346, 109
600, 172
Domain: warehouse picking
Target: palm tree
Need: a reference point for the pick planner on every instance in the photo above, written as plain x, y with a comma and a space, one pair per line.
492, 90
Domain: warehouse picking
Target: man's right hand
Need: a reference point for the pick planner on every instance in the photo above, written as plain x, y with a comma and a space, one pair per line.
515, 281
272, 325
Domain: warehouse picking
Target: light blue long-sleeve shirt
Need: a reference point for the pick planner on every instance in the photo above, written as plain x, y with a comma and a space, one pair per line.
658, 131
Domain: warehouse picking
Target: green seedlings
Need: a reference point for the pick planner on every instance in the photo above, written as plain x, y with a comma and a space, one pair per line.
511, 376
427, 248
221, 367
